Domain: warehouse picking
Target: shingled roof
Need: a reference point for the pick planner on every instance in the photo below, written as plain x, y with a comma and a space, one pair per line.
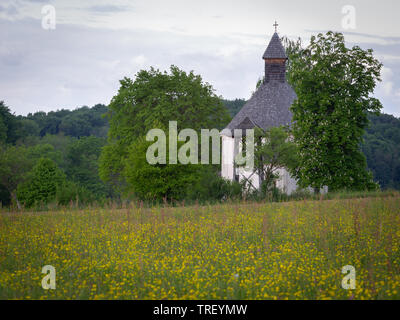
268, 107
275, 49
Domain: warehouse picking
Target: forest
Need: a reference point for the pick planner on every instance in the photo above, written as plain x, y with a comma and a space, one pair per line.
73, 140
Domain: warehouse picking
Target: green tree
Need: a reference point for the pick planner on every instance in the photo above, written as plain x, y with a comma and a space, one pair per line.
151, 101
234, 106
8, 125
41, 184
334, 86
381, 148
14, 165
273, 150
158, 181
82, 164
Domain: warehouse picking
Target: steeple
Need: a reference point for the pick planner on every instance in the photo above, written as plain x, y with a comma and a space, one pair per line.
275, 59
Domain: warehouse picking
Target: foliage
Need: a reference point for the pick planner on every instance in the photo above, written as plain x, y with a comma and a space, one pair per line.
161, 97
381, 148
8, 125
151, 101
41, 184
211, 187
82, 157
234, 106
334, 86
155, 182
273, 150
14, 165
69, 192
80, 122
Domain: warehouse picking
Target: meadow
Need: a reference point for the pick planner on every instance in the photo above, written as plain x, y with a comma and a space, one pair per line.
288, 250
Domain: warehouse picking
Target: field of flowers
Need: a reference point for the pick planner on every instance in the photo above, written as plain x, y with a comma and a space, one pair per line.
293, 250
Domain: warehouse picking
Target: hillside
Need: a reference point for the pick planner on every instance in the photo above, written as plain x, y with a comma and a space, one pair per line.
73, 139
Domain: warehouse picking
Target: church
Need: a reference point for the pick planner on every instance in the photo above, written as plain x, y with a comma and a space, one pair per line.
268, 107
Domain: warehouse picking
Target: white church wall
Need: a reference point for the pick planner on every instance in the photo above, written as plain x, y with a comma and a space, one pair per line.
285, 182
227, 157
230, 148
249, 176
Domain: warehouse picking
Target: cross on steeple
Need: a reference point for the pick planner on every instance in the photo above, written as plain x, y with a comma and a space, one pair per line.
275, 25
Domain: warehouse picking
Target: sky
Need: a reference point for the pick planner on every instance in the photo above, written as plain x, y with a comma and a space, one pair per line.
58, 54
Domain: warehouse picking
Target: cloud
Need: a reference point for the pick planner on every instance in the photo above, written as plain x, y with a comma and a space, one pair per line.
9, 10
387, 83
139, 61
97, 43
109, 8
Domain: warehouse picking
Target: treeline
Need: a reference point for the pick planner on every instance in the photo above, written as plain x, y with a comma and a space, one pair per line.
55, 155
52, 157
382, 149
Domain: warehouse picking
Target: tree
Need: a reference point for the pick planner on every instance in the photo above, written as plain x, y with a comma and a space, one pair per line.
8, 125
151, 101
334, 86
273, 150
82, 164
158, 181
41, 184
234, 106
381, 148
14, 165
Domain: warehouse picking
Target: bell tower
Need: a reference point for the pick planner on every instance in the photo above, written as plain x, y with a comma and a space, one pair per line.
275, 59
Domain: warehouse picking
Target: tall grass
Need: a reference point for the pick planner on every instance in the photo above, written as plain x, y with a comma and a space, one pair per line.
269, 250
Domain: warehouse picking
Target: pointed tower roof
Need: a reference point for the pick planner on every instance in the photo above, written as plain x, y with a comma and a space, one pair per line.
270, 105
275, 49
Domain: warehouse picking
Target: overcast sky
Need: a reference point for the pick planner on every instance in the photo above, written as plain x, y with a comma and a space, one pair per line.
97, 43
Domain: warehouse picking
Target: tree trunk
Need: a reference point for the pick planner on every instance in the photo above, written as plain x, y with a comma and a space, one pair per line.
14, 196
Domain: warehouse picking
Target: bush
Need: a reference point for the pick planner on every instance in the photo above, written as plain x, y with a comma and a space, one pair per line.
211, 187
41, 184
70, 192
158, 181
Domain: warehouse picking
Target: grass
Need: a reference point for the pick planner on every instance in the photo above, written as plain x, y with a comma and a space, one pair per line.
282, 250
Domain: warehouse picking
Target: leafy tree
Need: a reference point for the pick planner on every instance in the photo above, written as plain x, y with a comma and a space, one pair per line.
234, 106
69, 191
381, 148
14, 165
273, 150
80, 122
155, 182
82, 164
3, 132
8, 125
41, 184
26, 128
73, 125
334, 86
151, 101
161, 97
210, 186
45, 150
